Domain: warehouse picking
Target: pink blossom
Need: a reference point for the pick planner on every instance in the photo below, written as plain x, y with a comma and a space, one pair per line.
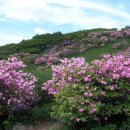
90, 94
86, 87
111, 88
106, 56
86, 93
94, 88
103, 92
87, 79
77, 119
95, 81
81, 110
93, 110
103, 82
17, 87
105, 118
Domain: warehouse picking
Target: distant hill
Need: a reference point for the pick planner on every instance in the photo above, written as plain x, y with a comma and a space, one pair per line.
42, 43
69, 43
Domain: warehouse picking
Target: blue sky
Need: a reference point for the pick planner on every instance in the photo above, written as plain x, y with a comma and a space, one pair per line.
22, 19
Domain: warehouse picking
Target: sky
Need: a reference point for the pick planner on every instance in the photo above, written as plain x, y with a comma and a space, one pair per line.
22, 19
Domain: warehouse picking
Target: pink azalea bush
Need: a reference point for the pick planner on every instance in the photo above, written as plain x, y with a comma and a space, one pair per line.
16, 87
127, 33
41, 60
96, 91
116, 34
48, 59
68, 72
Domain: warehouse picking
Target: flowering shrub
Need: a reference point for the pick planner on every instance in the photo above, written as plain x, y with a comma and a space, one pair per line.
116, 34
48, 59
16, 87
127, 33
41, 60
97, 91
68, 72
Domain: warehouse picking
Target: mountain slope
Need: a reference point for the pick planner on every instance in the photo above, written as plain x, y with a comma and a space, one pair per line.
43, 43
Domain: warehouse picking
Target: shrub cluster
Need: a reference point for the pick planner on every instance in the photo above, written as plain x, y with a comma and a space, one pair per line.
68, 72
16, 87
40, 60
98, 91
48, 59
116, 34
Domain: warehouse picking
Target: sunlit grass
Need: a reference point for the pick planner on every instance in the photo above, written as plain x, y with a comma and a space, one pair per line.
42, 74
94, 53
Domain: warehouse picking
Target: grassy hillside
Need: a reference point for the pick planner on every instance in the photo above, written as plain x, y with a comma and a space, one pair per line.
40, 44
91, 54
94, 53
43, 108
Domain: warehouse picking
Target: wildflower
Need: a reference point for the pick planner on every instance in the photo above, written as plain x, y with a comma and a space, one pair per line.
81, 110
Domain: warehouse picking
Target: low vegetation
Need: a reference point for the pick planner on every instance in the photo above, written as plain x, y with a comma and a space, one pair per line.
75, 83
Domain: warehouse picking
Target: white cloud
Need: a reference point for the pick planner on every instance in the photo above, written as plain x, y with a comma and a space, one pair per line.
89, 4
40, 31
67, 12
11, 38
83, 14
60, 12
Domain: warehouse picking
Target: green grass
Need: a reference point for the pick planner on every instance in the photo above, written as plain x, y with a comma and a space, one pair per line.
42, 74
93, 53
